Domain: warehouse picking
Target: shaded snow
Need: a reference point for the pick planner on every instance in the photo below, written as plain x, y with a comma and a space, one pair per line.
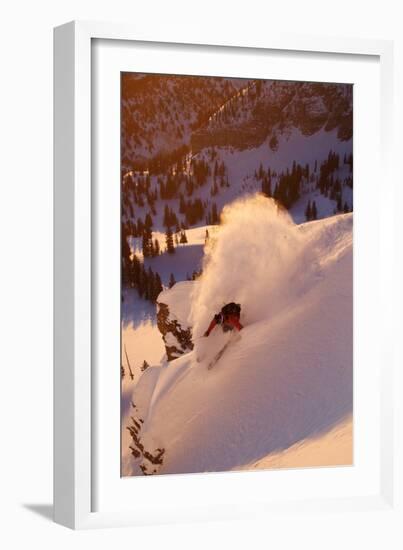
292, 145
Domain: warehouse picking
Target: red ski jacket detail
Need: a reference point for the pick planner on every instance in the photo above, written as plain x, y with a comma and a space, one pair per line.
232, 320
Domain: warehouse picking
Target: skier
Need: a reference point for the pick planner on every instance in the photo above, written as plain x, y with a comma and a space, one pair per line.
228, 318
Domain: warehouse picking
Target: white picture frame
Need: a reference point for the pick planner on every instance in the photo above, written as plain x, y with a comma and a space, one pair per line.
77, 471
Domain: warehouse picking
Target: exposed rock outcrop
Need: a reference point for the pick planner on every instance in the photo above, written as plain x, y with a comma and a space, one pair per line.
178, 340
172, 319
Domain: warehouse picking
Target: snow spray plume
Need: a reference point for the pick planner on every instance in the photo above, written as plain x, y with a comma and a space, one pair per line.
251, 261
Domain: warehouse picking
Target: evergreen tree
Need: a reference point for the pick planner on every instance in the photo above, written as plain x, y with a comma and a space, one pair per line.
183, 239
266, 186
162, 190
172, 280
260, 173
275, 193
214, 189
214, 215
142, 285
125, 256
150, 281
135, 270
146, 284
174, 220
314, 211
207, 237
147, 243
166, 220
308, 212
169, 241
156, 247
157, 286
148, 222
140, 227
144, 245
273, 143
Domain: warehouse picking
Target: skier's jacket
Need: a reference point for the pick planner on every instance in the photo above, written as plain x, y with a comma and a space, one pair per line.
228, 318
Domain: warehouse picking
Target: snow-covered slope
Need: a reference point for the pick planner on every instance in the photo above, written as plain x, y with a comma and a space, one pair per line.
287, 380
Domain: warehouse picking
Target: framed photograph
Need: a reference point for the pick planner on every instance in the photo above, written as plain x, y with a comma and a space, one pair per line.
218, 237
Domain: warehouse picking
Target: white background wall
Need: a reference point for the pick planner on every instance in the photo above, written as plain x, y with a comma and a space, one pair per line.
26, 266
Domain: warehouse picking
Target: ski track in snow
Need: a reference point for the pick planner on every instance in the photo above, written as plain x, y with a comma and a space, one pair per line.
288, 380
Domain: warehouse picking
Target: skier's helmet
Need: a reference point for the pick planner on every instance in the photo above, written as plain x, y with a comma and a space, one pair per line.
231, 309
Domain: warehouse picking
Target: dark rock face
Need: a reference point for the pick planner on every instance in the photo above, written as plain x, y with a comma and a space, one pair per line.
177, 339
150, 462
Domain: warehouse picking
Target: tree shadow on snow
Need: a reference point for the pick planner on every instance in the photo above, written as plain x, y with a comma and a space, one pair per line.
136, 310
